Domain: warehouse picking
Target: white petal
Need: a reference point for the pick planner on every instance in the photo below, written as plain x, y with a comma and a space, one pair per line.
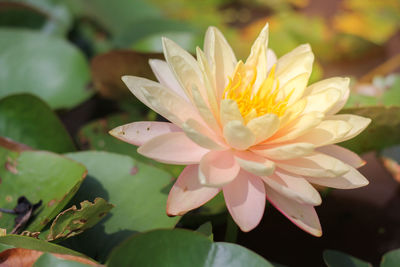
284, 151
358, 124
271, 59
295, 63
165, 76
343, 154
162, 100
327, 132
258, 57
351, 179
264, 126
238, 136
296, 128
339, 83
322, 101
254, 164
304, 216
201, 136
220, 56
314, 165
229, 111
184, 66
138, 133
173, 148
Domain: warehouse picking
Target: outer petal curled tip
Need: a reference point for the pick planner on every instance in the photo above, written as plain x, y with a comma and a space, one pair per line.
218, 168
138, 133
302, 215
187, 193
254, 163
245, 200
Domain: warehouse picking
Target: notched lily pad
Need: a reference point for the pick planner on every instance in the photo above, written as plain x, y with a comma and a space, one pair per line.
37, 175
27, 119
74, 221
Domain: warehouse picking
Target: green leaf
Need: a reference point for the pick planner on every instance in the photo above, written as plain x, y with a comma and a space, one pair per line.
206, 229
384, 130
391, 258
37, 175
180, 247
335, 258
17, 241
27, 119
138, 191
49, 16
43, 65
128, 21
95, 136
74, 221
48, 260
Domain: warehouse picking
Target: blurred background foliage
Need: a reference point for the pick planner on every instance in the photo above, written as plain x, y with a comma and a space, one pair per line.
60, 90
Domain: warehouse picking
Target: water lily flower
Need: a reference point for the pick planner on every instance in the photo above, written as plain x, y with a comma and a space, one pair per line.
253, 129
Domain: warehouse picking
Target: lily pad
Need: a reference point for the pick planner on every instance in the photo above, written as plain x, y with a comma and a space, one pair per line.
384, 130
44, 65
391, 258
138, 191
74, 221
37, 175
335, 258
49, 16
48, 260
180, 247
17, 241
27, 119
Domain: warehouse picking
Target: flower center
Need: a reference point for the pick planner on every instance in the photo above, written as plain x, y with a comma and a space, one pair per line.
255, 102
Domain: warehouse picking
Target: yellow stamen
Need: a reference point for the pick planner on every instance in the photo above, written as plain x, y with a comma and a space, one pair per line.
255, 102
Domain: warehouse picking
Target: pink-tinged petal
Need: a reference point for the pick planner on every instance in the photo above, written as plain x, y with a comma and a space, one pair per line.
245, 200
218, 168
343, 154
314, 165
173, 148
221, 58
164, 75
187, 193
351, 179
293, 187
302, 215
254, 163
138, 133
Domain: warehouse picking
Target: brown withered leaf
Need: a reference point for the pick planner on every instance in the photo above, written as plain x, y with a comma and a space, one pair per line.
107, 70
12, 145
23, 257
74, 221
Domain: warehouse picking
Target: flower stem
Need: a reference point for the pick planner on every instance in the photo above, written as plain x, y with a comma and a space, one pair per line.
231, 230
